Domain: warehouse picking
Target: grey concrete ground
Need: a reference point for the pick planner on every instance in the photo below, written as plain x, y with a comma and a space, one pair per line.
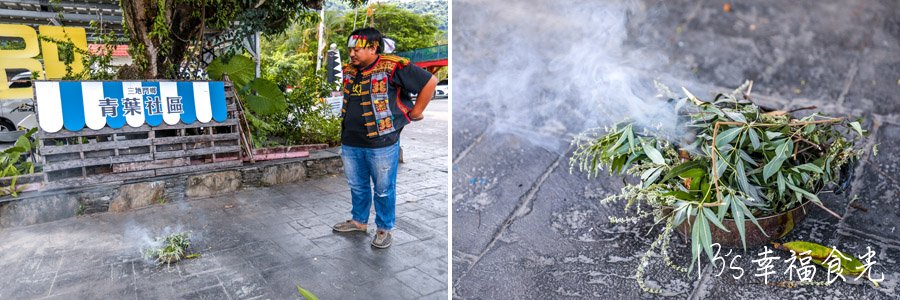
254, 244
524, 227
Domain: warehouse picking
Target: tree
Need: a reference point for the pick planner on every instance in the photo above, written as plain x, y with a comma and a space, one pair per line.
161, 31
409, 30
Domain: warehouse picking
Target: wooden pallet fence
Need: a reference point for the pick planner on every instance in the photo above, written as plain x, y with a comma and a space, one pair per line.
87, 156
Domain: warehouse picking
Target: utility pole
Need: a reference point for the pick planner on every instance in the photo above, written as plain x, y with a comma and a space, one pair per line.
321, 37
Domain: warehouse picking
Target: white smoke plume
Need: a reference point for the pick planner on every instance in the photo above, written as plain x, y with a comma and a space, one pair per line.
542, 68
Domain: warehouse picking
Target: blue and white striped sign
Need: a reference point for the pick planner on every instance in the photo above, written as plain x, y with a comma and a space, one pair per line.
76, 105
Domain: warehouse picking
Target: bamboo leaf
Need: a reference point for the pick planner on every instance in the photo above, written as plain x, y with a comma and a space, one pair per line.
653, 154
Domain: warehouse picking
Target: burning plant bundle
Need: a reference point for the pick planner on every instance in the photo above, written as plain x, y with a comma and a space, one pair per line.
732, 160
172, 249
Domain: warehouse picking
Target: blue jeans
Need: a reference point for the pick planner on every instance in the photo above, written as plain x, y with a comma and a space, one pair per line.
378, 166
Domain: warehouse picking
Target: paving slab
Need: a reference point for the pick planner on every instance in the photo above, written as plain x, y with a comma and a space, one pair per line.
252, 244
530, 75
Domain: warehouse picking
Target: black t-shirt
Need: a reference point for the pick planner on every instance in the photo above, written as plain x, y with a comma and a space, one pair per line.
410, 78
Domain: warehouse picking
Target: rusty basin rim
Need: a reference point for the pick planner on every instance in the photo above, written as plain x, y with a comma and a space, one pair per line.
771, 224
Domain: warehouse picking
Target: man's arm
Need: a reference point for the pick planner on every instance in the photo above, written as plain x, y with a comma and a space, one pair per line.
422, 100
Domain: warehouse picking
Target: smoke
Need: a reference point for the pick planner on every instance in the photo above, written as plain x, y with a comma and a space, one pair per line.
145, 236
542, 69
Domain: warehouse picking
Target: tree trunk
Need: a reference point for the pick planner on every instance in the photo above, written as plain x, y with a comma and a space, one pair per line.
159, 52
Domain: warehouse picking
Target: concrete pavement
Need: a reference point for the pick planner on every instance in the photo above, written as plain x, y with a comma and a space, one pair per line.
253, 244
530, 75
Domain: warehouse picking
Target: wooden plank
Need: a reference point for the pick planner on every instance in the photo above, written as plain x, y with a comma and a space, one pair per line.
195, 138
198, 167
285, 149
196, 152
165, 126
51, 150
22, 179
149, 165
96, 162
98, 179
65, 133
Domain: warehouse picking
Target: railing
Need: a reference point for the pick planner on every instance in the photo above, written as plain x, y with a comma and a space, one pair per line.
426, 54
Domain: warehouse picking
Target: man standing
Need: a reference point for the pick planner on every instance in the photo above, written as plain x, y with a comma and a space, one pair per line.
375, 109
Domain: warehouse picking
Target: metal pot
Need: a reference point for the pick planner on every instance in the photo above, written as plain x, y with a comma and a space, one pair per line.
775, 226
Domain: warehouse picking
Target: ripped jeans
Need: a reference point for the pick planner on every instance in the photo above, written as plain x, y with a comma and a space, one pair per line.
379, 166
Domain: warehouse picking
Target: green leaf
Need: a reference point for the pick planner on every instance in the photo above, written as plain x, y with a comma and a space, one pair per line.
681, 213
738, 214
780, 184
24, 143
721, 165
695, 239
690, 96
749, 215
773, 166
306, 294
681, 195
705, 236
269, 98
754, 138
15, 150
742, 177
708, 213
622, 138
630, 134
811, 167
727, 136
650, 180
737, 117
804, 193
746, 157
784, 148
723, 209
856, 127
684, 167
653, 154
240, 69
771, 135
693, 173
